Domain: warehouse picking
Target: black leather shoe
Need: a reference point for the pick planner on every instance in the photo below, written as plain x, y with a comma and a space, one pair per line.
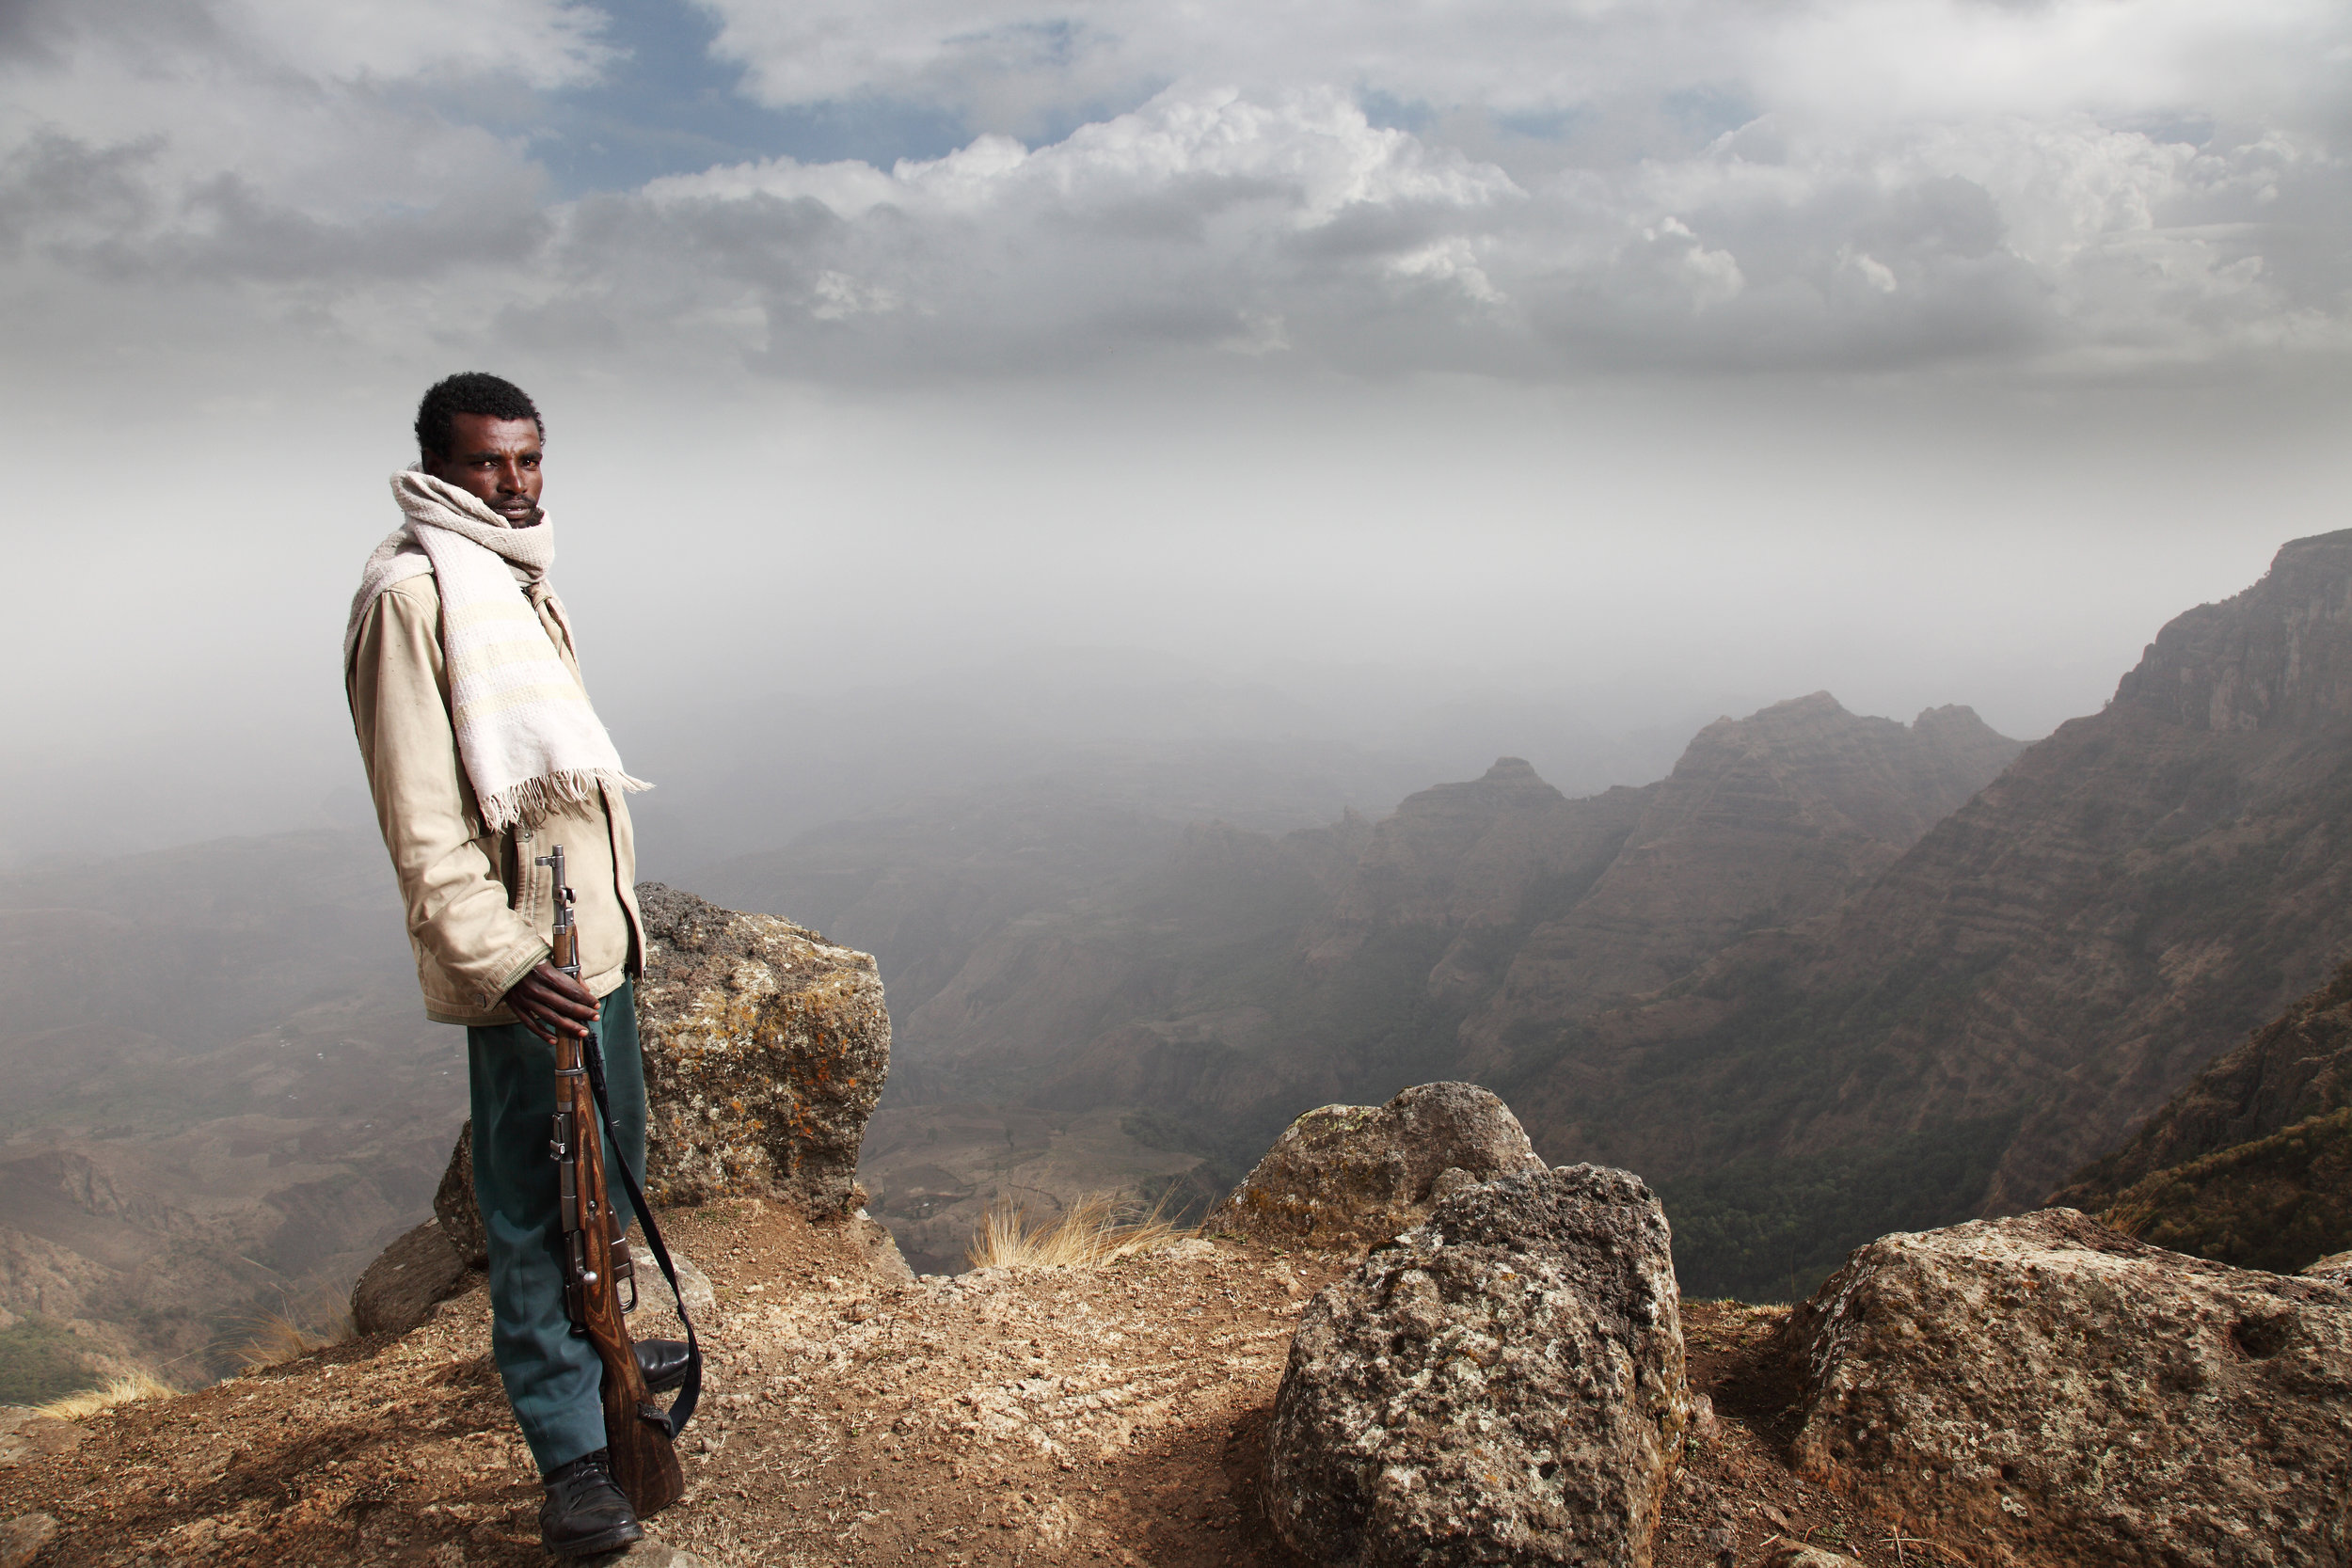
663, 1362
584, 1512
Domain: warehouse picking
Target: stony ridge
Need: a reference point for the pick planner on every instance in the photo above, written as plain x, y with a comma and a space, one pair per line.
2294, 1067
2041, 970
1248, 978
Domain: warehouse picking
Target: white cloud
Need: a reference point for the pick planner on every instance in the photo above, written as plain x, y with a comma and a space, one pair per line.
1764, 185
539, 44
1855, 59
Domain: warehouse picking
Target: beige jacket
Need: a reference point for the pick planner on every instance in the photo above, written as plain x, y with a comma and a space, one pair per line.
479, 910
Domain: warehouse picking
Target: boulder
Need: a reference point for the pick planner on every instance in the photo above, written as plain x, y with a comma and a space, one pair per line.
1501, 1384
22, 1537
454, 1207
881, 1251
765, 1051
1796, 1554
1348, 1176
399, 1289
2050, 1390
2336, 1266
766, 1048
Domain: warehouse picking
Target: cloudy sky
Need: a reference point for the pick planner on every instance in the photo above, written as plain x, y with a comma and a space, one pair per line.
1924, 350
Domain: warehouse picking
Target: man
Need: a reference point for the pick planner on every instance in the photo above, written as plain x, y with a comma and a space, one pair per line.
483, 752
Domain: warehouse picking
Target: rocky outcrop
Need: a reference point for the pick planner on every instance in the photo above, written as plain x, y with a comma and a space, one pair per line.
1796, 1554
22, 1537
2276, 1203
454, 1207
2053, 1391
766, 1048
2294, 1069
400, 1289
1501, 1384
2038, 973
1347, 1176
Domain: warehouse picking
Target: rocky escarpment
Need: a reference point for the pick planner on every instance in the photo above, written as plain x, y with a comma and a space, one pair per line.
1766, 821
1514, 1380
1350, 1176
1504, 1383
765, 1050
1244, 978
2057, 1392
2277, 1202
2251, 1163
2044, 968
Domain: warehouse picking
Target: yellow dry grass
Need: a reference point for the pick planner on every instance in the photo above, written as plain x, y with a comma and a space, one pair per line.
280, 1337
1096, 1231
122, 1390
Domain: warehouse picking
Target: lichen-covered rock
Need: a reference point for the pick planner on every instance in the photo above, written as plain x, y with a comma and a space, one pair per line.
1503, 1385
454, 1207
2336, 1266
1796, 1554
765, 1051
398, 1290
881, 1251
2048, 1391
22, 1537
1347, 1176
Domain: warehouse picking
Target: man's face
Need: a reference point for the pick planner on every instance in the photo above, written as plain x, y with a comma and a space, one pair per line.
498, 460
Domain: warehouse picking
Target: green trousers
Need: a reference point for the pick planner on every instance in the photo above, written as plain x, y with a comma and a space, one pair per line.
553, 1379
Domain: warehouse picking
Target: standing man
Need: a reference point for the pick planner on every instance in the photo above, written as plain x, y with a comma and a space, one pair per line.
483, 752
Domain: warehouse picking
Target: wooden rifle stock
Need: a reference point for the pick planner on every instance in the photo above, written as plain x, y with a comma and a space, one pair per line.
637, 1432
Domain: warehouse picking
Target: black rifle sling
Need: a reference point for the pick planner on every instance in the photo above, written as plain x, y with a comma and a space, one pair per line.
690, 1391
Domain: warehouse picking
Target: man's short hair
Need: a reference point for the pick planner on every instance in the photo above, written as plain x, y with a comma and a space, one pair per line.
469, 392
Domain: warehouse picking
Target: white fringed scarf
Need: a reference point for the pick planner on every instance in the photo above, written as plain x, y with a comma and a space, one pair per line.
526, 734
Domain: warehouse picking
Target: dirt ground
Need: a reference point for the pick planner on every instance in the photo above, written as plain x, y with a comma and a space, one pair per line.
1009, 1417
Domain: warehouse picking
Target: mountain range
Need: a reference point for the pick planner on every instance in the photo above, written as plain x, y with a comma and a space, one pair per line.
1832, 975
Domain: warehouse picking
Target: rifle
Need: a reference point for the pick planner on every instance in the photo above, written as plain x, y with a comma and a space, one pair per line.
640, 1435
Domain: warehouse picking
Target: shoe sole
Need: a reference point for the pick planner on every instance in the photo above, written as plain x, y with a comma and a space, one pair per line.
610, 1540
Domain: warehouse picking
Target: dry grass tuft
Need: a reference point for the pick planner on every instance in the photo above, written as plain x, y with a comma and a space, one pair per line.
122, 1390
296, 1329
280, 1337
1097, 1230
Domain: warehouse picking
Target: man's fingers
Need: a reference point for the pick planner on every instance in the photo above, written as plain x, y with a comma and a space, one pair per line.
562, 987
541, 1013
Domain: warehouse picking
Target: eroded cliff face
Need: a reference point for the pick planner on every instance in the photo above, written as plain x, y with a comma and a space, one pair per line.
2041, 970
1766, 821
1248, 978
2249, 1163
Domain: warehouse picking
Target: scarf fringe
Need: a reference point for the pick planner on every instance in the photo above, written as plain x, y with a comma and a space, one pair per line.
530, 801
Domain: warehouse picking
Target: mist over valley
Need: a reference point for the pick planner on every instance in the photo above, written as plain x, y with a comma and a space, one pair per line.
1818, 977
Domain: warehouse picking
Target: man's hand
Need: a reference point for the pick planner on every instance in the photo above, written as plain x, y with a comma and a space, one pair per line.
550, 1002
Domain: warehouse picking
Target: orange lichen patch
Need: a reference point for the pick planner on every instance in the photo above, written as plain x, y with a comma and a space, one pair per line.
770, 1051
